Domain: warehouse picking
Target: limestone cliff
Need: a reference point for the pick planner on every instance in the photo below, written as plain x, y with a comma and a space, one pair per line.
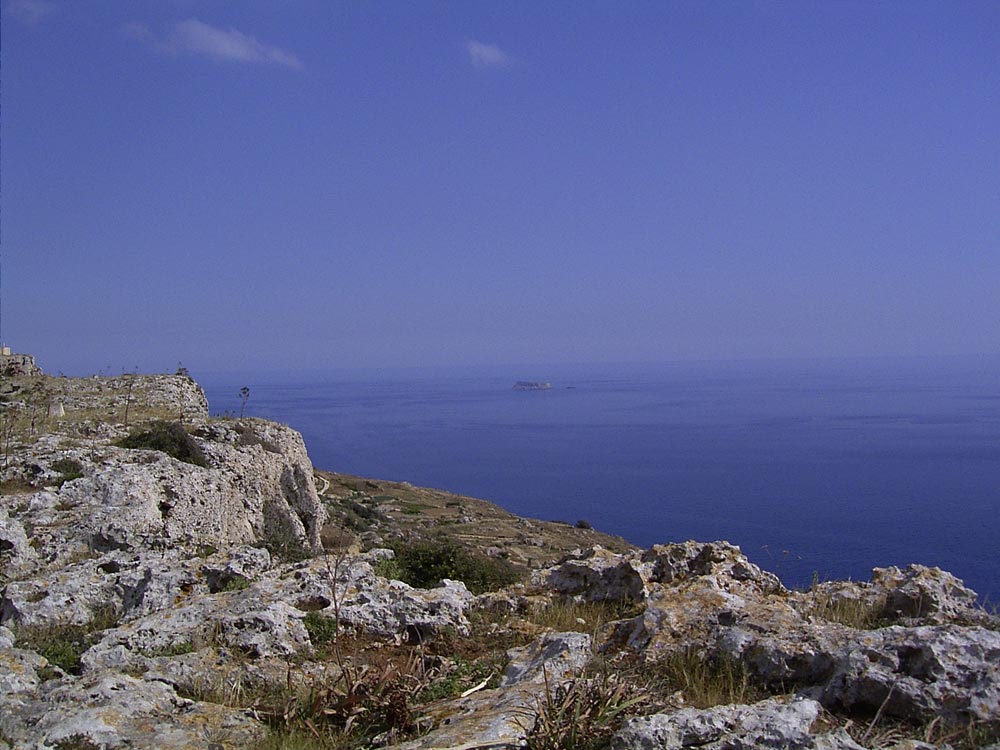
90, 495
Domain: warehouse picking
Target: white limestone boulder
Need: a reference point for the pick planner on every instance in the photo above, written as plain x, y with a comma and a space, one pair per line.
772, 724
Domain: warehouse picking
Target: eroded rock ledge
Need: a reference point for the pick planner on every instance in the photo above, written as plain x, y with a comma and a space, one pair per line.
150, 602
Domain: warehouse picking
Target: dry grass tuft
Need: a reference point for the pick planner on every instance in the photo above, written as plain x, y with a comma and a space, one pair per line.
583, 713
703, 681
883, 733
855, 613
567, 615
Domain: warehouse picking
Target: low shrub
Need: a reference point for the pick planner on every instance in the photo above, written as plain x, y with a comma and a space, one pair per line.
69, 469
236, 583
359, 704
424, 563
388, 568
67, 466
167, 437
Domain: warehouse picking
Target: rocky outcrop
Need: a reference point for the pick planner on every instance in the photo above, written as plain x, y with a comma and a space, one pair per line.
952, 672
165, 396
113, 710
782, 725
257, 489
98, 534
917, 592
501, 718
20, 365
921, 647
190, 627
596, 575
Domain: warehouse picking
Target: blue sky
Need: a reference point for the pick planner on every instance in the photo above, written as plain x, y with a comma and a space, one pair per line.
309, 184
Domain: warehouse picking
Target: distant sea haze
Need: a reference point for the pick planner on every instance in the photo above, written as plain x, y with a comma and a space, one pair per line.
818, 468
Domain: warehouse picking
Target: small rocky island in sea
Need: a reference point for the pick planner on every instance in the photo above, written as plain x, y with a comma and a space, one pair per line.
532, 385
172, 580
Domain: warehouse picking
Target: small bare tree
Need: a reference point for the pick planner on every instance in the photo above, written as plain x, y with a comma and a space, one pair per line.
244, 396
128, 395
8, 427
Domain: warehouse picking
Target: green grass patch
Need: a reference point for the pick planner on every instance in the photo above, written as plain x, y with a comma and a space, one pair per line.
463, 674
63, 644
322, 630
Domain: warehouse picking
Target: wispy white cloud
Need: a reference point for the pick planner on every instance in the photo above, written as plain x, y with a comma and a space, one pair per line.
29, 11
227, 44
198, 38
486, 55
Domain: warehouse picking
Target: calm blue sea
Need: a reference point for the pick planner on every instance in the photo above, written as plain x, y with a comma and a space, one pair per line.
825, 467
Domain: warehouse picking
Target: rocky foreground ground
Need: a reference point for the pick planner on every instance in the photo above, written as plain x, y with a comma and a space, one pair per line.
171, 580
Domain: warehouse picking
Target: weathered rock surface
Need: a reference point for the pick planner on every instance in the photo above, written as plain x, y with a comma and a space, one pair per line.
501, 718
257, 490
16, 554
111, 710
597, 575
709, 598
264, 619
915, 672
553, 657
769, 724
19, 671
